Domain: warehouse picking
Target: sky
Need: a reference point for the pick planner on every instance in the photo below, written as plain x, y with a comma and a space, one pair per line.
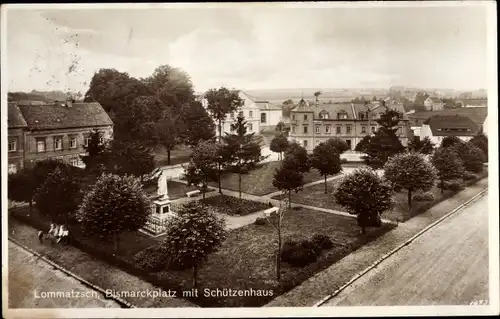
252, 47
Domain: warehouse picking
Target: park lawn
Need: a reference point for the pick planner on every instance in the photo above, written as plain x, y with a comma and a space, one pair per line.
178, 155
233, 206
315, 196
259, 181
247, 257
176, 190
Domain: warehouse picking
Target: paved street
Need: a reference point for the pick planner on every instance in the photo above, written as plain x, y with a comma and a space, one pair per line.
31, 280
448, 265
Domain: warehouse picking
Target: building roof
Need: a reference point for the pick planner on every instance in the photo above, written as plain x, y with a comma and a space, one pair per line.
59, 115
451, 125
265, 105
303, 106
482, 102
436, 99
476, 114
15, 118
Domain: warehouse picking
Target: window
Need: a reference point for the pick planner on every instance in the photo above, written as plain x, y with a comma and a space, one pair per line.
318, 129
74, 161
323, 115
342, 116
348, 129
304, 142
361, 115
72, 142
338, 130
101, 140
293, 128
363, 129
327, 129
305, 117
373, 129
87, 140
250, 127
293, 117
58, 143
250, 114
12, 145
12, 168
263, 117
40, 145
305, 129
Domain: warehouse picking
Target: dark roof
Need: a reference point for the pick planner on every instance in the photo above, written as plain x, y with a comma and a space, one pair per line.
451, 125
483, 102
15, 118
303, 106
54, 116
476, 114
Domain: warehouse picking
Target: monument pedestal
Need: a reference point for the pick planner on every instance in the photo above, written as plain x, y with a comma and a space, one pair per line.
157, 222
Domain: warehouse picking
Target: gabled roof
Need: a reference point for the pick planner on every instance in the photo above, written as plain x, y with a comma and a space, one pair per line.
303, 106
451, 125
55, 116
15, 118
265, 105
476, 114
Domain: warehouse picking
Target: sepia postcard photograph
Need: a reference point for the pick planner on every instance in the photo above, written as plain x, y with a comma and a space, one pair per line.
266, 159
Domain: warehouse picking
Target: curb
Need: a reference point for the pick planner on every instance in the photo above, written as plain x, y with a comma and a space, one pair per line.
395, 250
122, 302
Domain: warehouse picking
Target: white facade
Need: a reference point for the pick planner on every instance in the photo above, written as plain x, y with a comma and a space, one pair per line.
270, 118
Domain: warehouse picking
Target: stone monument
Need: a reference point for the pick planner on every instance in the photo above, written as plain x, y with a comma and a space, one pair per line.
160, 208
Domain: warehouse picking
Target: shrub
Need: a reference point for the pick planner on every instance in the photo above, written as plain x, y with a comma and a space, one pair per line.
454, 186
424, 197
260, 221
469, 176
300, 254
152, 259
322, 241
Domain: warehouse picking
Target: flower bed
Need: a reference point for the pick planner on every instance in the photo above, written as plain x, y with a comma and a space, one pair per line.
233, 206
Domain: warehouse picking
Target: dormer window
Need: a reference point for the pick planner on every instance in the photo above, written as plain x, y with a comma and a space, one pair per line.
361, 115
342, 115
324, 115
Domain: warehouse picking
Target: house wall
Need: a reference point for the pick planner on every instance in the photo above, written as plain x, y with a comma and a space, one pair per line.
426, 131
273, 117
16, 158
66, 153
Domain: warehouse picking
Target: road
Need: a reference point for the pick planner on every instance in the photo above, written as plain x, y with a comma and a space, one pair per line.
32, 281
448, 265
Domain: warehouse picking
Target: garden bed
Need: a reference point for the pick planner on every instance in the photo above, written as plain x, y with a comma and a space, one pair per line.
233, 206
246, 260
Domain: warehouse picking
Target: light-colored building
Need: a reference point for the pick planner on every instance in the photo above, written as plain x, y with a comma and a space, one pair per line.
58, 130
311, 125
437, 127
433, 104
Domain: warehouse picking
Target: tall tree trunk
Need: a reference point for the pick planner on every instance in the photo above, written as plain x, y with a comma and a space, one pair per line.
219, 164
278, 257
195, 276
326, 187
442, 186
409, 199
289, 199
168, 157
239, 176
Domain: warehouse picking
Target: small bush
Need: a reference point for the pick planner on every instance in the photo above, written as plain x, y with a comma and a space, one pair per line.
300, 254
260, 221
424, 197
322, 241
454, 186
469, 176
152, 259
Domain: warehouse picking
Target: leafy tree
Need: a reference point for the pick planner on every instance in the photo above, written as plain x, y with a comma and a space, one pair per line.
410, 171
280, 127
193, 235
326, 159
167, 132
339, 145
21, 187
203, 165
279, 144
449, 141
96, 152
135, 120
448, 165
171, 85
385, 143
297, 155
364, 194
59, 195
362, 145
288, 178
241, 148
472, 157
481, 141
288, 102
316, 95
198, 123
424, 146
114, 205
129, 158
43, 169
222, 102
